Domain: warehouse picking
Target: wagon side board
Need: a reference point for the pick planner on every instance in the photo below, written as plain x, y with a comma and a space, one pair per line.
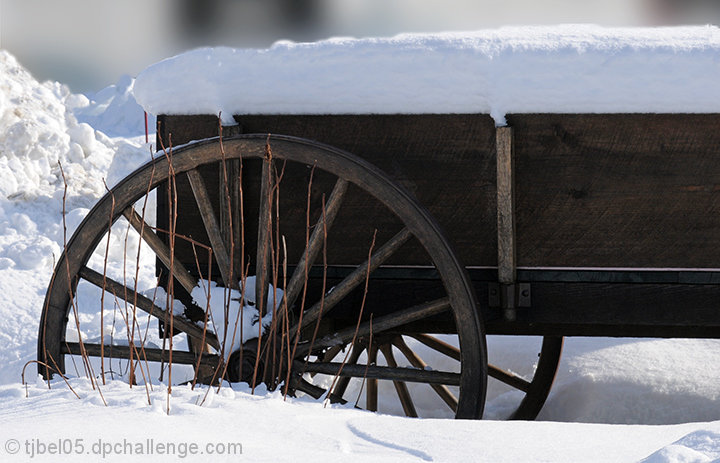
617, 190
600, 201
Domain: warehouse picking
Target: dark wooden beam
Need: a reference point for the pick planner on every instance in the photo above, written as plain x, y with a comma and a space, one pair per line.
412, 375
151, 354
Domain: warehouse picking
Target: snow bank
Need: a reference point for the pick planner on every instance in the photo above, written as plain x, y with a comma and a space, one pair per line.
41, 134
634, 381
573, 68
39, 131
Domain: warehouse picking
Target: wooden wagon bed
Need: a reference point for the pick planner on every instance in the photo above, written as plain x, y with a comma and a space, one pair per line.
615, 215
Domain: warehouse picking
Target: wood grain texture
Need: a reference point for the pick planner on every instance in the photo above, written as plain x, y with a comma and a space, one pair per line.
229, 210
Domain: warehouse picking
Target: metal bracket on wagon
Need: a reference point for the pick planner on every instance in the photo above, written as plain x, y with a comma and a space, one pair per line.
509, 297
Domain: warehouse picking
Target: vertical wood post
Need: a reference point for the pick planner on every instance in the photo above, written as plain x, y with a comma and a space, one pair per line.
505, 205
507, 273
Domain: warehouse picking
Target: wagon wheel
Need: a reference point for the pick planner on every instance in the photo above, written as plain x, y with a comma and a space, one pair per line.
454, 308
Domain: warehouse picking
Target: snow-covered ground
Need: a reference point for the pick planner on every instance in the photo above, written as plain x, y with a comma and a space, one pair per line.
613, 400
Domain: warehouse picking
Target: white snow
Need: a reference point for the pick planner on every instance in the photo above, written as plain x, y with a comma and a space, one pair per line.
114, 109
614, 399
572, 68
239, 323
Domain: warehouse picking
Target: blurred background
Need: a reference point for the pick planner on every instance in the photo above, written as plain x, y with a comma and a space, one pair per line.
89, 44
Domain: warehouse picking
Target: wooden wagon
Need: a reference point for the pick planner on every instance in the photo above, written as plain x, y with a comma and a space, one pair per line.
386, 228
381, 243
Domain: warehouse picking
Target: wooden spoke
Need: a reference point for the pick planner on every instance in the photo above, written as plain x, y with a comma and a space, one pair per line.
229, 211
151, 354
162, 252
438, 345
411, 375
508, 378
371, 397
146, 305
352, 281
383, 323
332, 206
342, 382
263, 235
415, 360
212, 227
400, 386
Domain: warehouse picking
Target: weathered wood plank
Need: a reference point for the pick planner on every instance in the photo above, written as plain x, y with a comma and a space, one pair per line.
601, 190
505, 205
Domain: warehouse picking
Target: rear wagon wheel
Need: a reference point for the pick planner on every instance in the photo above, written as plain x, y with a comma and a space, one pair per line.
365, 324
